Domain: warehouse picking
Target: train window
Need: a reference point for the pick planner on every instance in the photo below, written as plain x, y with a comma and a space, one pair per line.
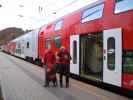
47, 43
58, 25
19, 45
93, 13
123, 5
74, 52
57, 40
111, 53
128, 62
28, 45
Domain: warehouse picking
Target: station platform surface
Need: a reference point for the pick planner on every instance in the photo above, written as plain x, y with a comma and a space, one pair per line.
20, 80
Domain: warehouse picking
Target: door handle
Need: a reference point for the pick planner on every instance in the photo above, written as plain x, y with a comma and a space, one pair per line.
104, 57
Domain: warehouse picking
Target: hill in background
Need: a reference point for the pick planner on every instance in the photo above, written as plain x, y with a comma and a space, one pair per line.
11, 33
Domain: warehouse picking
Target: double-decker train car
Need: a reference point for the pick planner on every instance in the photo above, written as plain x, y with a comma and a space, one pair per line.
99, 38
25, 46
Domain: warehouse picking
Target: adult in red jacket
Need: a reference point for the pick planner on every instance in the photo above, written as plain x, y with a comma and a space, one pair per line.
49, 61
64, 65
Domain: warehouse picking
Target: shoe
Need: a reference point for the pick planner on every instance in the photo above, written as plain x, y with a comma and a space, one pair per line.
61, 86
45, 85
54, 85
67, 85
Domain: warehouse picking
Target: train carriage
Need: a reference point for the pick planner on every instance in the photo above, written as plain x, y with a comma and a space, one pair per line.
99, 37
25, 46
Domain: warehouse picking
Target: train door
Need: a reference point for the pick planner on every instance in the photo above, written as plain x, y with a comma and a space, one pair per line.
112, 63
91, 57
74, 52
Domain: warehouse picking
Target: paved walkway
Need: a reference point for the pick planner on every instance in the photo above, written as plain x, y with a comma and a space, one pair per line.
23, 81
16, 85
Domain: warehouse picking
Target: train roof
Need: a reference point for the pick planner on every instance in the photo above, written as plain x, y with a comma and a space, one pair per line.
26, 34
53, 20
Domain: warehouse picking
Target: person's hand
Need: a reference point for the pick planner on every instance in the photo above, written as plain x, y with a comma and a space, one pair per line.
44, 66
66, 57
48, 70
57, 58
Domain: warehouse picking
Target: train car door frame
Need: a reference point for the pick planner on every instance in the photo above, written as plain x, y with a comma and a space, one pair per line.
112, 56
74, 52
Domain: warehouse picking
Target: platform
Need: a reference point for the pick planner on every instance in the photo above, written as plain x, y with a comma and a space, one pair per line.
20, 80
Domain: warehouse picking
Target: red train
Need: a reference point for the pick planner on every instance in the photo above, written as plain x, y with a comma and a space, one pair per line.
99, 37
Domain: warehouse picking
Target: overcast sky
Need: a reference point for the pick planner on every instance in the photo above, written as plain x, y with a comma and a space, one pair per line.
31, 14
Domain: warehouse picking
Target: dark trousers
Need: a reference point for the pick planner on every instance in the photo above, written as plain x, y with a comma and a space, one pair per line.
46, 77
64, 70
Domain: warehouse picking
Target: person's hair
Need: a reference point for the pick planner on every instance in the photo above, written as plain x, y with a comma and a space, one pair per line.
62, 47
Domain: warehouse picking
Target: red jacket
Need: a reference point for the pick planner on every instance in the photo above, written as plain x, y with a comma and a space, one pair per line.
49, 59
64, 57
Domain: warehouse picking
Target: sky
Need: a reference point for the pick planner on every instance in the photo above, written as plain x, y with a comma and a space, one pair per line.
32, 14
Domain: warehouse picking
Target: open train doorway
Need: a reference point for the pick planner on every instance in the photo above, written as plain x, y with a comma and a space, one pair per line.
91, 56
